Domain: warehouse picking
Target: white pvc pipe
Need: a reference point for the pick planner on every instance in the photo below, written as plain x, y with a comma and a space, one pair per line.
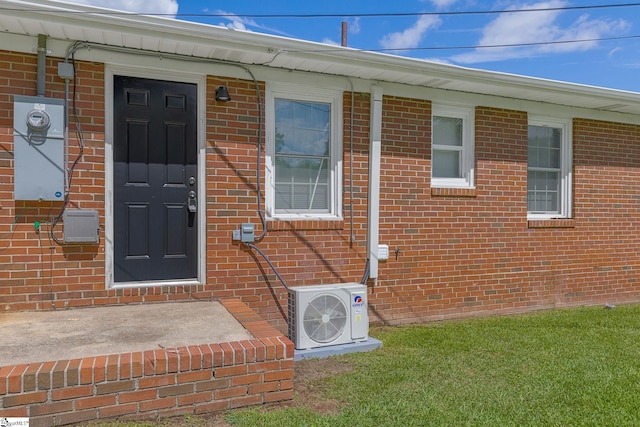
373, 215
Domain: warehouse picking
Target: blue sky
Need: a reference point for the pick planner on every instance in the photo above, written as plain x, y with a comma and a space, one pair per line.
444, 31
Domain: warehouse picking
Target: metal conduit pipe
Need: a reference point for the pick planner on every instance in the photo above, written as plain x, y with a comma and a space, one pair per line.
42, 63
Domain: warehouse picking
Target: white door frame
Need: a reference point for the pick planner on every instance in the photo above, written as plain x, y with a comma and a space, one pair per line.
157, 74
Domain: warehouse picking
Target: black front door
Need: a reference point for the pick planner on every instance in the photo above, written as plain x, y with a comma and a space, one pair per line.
155, 181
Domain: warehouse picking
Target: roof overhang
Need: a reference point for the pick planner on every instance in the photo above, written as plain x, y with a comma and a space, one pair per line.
72, 22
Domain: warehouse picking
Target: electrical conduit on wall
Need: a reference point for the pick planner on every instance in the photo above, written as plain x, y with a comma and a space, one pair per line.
373, 215
41, 76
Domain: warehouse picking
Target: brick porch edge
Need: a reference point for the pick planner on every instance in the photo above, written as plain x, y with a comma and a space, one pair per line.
147, 384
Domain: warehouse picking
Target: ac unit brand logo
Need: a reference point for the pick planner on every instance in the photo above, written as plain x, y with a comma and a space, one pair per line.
358, 301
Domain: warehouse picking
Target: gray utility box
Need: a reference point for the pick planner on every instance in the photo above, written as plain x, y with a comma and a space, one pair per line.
38, 141
81, 226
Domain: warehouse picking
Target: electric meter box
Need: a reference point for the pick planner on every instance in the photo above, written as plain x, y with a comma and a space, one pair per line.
38, 141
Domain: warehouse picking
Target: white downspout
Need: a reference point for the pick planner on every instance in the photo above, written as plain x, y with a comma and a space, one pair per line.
373, 215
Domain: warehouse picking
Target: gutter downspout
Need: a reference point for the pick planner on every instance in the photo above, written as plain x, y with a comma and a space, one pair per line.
373, 214
42, 63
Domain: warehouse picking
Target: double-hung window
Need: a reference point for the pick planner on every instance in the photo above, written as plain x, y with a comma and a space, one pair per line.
549, 169
304, 153
452, 147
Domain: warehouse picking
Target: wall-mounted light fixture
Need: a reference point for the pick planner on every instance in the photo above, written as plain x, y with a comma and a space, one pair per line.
222, 94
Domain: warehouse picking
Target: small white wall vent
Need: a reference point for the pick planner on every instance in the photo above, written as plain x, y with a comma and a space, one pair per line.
328, 315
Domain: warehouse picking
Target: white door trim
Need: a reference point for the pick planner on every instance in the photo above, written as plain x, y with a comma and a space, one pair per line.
158, 74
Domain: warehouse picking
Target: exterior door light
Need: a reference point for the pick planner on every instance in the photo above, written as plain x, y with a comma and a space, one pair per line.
222, 94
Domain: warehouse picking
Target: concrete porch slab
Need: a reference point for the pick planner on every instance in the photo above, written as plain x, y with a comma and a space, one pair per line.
140, 361
29, 337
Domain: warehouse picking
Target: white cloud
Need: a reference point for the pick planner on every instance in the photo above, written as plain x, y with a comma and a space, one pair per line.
330, 42
236, 22
169, 7
412, 36
241, 23
614, 51
439, 61
354, 26
443, 3
538, 27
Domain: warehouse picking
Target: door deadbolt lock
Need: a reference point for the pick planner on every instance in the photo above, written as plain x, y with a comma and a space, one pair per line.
192, 181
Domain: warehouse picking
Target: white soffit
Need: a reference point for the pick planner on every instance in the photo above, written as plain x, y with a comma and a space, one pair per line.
96, 25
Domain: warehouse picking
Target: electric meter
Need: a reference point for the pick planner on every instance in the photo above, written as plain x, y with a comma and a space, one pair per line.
38, 120
39, 162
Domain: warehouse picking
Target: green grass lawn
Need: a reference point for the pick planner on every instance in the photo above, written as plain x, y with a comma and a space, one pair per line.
575, 367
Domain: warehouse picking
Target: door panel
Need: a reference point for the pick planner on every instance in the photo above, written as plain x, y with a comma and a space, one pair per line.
155, 166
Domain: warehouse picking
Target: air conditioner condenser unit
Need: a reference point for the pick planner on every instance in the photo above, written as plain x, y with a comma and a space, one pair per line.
327, 315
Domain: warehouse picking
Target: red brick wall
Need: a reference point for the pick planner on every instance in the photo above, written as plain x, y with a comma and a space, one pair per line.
34, 271
473, 251
606, 182
459, 252
304, 252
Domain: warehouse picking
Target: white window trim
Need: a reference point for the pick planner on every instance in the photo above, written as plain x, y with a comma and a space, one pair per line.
468, 146
566, 162
305, 93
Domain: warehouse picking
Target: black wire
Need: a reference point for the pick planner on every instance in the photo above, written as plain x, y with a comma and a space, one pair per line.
52, 248
382, 14
42, 285
266, 258
493, 46
327, 15
81, 143
400, 14
79, 132
12, 227
367, 271
42, 268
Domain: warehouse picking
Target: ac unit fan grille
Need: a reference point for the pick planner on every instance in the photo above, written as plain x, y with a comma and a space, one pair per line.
325, 318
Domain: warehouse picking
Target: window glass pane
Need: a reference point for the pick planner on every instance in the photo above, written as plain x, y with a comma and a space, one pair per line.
543, 189
302, 127
302, 156
543, 182
553, 159
446, 164
447, 131
301, 183
544, 147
